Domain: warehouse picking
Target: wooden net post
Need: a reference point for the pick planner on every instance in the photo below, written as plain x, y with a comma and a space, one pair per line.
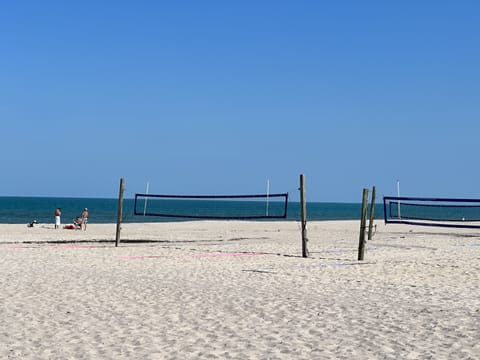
363, 221
303, 207
372, 213
120, 211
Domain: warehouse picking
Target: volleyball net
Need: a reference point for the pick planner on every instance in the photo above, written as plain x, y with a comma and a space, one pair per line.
232, 207
444, 212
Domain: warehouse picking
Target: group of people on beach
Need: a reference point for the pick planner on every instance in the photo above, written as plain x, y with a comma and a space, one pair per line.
79, 222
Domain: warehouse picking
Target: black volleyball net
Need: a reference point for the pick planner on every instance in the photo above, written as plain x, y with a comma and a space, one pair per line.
445, 212
241, 207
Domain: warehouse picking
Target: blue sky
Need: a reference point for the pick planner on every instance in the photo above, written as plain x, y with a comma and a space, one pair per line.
214, 97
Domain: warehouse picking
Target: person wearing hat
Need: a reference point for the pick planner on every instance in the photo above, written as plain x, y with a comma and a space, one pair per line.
84, 218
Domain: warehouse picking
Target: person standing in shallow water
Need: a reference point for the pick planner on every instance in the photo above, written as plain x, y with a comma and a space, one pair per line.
58, 213
84, 218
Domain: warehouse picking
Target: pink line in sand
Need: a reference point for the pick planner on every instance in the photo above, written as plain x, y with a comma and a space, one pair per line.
135, 257
53, 246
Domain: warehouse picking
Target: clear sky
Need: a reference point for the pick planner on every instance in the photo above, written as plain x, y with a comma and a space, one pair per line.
216, 97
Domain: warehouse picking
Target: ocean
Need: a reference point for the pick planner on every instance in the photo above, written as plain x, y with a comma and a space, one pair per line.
20, 210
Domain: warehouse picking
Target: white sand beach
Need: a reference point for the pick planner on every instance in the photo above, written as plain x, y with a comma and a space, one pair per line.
239, 290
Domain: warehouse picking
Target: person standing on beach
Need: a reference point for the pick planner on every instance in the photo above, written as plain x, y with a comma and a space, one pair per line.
58, 213
84, 218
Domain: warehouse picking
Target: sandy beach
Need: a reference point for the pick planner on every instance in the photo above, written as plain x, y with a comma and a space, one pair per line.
239, 290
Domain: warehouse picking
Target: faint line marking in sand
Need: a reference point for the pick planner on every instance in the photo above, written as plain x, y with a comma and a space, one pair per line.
136, 257
337, 251
259, 271
222, 255
20, 247
76, 246
139, 257
340, 251
337, 265
407, 247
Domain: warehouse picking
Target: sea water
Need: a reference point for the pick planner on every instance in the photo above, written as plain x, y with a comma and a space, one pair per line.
19, 210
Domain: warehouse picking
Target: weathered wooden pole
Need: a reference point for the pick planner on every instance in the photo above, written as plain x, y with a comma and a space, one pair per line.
363, 221
303, 207
120, 211
372, 213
